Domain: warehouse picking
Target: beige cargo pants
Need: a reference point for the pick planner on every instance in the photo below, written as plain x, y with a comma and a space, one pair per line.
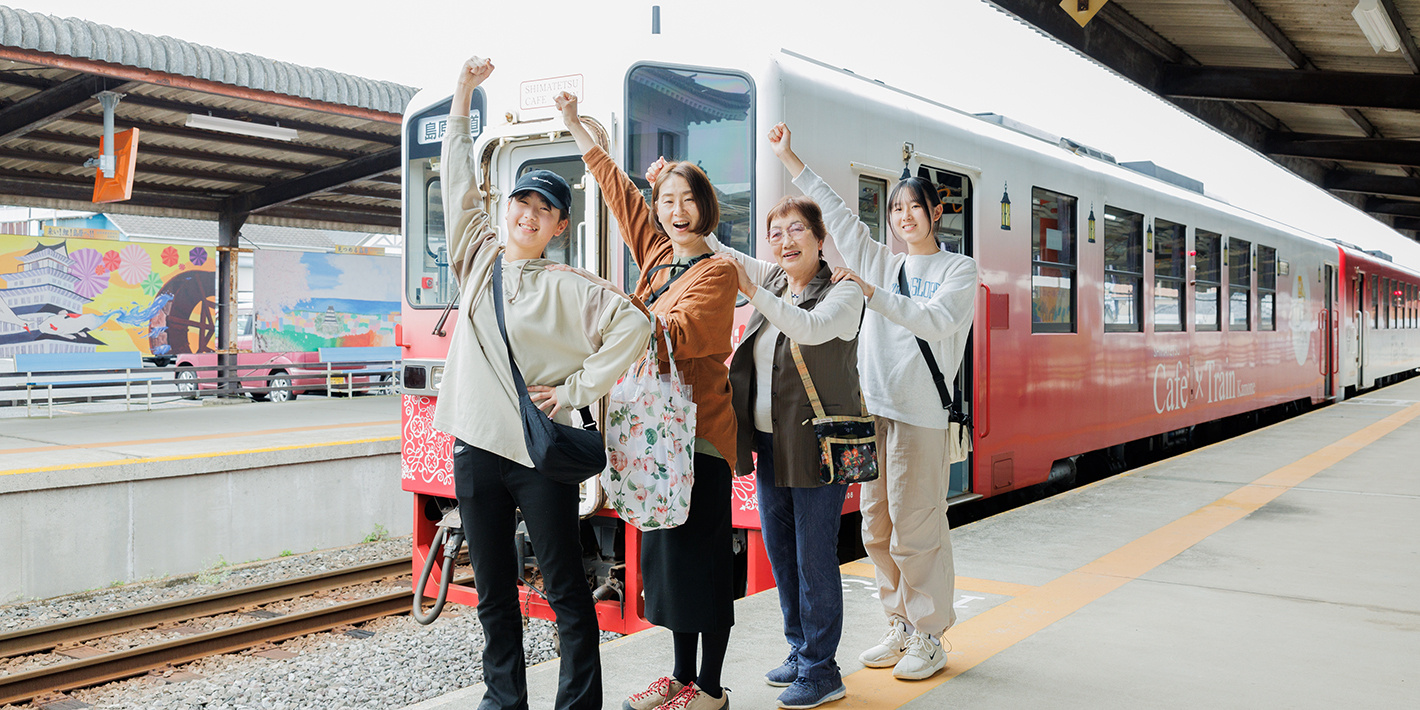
905, 526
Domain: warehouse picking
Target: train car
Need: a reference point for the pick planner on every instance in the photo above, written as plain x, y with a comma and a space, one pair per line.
1115, 306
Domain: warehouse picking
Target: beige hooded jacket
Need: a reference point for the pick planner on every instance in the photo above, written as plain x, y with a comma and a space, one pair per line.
566, 331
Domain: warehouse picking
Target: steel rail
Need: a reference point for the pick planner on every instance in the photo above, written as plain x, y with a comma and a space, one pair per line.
80, 673
79, 630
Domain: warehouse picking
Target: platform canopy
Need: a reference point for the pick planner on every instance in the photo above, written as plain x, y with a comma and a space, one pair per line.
1296, 80
338, 171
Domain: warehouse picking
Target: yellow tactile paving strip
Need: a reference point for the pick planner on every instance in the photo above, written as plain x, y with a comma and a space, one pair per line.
1034, 608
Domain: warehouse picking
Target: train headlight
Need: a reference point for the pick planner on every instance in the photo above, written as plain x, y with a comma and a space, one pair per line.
436, 376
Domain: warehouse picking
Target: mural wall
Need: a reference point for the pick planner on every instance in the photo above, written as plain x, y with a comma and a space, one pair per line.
87, 295
305, 301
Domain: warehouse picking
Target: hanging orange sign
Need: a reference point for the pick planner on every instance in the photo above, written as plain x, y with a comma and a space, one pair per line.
119, 186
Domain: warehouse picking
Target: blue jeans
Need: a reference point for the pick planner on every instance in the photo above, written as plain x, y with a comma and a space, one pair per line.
800, 527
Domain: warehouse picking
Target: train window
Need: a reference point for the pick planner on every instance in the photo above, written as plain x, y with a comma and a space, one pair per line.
1052, 262
1375, 302
1208, 276
872, 195
565, 248
700, 115
1170, 267
1385, 303
1266, 288
1123, 270
1239, 284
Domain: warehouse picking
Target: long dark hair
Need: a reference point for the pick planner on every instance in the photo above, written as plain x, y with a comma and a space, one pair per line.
921, 190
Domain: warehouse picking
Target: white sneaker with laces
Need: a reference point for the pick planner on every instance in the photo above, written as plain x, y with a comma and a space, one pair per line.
923, 658
890, 649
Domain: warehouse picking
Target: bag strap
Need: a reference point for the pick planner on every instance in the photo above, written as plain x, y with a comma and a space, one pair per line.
937, 378
658, 292
587, 421
814, 401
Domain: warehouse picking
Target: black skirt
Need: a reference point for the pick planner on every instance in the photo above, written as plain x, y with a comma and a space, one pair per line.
688, 571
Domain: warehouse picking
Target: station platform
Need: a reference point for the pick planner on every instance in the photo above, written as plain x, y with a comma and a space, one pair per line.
1276, 569
143, 494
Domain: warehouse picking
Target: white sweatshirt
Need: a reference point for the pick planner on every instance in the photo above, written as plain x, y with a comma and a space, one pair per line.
896, 382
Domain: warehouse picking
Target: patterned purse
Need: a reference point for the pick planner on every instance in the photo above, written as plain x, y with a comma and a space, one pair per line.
848, 446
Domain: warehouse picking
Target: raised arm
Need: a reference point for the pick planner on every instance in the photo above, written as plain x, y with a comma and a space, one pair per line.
622, 196
853, 238
762, 273
836, 316
467, 226
951, 308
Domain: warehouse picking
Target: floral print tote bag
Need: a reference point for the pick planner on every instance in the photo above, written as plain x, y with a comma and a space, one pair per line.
650, 440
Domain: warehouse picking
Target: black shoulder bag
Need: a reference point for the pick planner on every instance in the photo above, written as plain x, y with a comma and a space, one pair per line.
566, 454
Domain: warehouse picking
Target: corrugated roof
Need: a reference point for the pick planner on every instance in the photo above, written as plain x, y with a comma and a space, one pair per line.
259, 235
73, 37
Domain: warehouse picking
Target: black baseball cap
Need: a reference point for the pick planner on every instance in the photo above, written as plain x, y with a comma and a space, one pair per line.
548, 184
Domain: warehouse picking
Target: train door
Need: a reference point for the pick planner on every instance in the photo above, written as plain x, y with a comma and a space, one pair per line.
1358, 291
954, 233
582, 245
1328, 338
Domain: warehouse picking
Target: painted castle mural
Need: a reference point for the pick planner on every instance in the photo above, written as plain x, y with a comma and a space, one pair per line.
87, 295
305, 301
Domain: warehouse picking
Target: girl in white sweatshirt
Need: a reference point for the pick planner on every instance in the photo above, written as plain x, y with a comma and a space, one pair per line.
905, 528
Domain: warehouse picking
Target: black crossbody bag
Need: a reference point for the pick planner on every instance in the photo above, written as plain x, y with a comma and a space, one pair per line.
563, 453
958, 424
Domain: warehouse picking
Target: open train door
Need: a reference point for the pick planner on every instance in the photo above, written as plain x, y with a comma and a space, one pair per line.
954, 234
583, 245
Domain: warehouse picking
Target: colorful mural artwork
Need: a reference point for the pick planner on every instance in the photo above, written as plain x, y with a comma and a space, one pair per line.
89, 295
305, 301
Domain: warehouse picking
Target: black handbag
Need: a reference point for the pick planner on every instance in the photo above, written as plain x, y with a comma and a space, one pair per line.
566, 454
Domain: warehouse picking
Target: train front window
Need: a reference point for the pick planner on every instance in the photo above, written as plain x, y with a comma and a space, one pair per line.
706, 117
429, 283
1052, 262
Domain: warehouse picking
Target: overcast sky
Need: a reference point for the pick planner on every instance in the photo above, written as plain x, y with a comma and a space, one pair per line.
963, 53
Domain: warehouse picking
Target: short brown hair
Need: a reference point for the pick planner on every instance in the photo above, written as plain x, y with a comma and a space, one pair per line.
806, 208
700, 189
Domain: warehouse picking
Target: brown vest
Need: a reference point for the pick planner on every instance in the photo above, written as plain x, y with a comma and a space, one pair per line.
833, 366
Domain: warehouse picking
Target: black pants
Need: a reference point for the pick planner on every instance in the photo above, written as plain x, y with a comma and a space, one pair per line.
489, 489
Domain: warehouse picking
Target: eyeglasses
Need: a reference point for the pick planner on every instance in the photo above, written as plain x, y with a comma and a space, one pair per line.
796, 230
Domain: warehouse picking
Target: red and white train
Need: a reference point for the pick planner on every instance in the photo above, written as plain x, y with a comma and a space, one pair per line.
1115, 306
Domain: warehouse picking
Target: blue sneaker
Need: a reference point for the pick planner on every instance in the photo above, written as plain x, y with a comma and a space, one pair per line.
785, 674
812, 693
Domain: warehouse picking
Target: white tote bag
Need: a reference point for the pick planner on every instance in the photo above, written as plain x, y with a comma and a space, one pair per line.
650, 441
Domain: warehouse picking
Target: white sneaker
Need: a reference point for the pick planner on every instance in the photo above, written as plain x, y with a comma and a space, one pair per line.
890, 649
923, 658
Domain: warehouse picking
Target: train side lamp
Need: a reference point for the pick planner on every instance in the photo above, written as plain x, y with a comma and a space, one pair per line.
1005, 207
1149, 238
1092, 223
1193, 268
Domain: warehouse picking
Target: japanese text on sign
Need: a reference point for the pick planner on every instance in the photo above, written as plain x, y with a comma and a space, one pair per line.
431, 129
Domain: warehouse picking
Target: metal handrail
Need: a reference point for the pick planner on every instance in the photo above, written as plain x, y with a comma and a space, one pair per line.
49, 387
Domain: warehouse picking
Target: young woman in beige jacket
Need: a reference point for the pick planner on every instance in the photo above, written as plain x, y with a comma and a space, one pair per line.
571, 339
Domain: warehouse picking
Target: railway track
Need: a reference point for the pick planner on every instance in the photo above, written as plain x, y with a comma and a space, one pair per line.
106, 667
